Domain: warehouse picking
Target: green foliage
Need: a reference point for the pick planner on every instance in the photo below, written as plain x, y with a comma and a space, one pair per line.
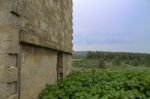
102, 84
116, 62
118, 58
80, 54
135, 62
85, 63
101, 63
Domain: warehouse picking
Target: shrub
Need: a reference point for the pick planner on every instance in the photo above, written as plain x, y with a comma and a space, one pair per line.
102, 84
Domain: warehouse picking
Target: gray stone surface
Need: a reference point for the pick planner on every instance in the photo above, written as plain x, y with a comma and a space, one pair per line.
9, 45
47, 23
32, 34
38, 68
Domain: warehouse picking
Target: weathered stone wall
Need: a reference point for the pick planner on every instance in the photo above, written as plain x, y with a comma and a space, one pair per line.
32, 34
38, 68
47, 23
9, 50
67, 61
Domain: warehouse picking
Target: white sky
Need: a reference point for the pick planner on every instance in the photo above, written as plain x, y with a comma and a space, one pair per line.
112, 25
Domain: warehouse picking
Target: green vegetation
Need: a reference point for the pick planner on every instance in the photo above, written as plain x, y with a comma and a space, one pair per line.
80, 54
104, 75
112, 59
102, 84
118, 58
101, 63
85, 63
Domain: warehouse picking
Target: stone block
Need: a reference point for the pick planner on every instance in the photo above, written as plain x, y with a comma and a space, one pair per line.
38, 67
8, 74
3, 90
4, 43
43, 18
12, 88
4, 59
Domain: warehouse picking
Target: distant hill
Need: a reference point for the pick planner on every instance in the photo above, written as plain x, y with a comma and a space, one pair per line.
106, 54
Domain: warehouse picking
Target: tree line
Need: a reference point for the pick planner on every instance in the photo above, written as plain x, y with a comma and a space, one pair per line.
118, 58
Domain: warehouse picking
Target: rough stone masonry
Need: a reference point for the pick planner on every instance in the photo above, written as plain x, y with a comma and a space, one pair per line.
35, 45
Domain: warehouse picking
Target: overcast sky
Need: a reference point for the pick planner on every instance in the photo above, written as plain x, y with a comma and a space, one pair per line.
111, 25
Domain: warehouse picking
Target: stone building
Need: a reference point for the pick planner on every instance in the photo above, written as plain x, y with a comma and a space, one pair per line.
35, 45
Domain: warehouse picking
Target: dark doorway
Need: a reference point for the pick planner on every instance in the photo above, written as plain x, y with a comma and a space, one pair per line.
59, 66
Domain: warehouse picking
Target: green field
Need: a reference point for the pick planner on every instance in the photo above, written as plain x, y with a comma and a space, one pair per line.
102, 84
104, 75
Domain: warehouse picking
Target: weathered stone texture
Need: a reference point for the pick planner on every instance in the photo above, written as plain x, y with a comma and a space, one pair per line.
9, 48
47, 23
67, 61
32, 35
38, 68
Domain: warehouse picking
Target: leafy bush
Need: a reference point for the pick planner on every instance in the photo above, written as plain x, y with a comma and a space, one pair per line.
101, 63
117, 58
102, 84
85, 63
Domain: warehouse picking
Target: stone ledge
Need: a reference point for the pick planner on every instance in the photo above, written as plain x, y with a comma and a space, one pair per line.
33, 39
